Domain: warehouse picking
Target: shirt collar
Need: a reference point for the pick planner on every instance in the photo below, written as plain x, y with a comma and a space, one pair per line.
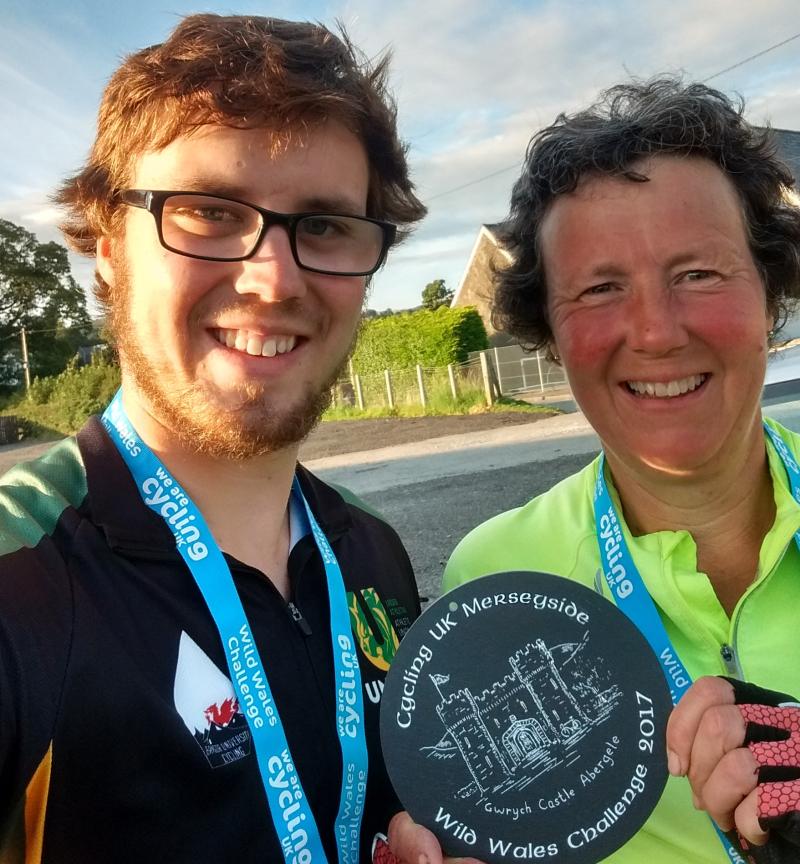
131, 527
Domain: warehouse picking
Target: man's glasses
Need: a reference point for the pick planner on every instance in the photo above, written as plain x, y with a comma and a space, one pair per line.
213, 228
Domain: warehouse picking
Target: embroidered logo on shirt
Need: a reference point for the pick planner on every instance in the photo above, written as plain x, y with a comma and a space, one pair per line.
372, 627
205, 700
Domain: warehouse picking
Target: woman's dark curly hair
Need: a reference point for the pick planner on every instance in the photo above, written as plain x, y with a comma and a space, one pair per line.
629, 122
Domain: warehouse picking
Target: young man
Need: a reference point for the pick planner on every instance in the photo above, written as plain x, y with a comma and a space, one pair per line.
193, 628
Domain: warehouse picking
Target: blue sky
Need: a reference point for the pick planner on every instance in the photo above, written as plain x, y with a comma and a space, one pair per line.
473, 79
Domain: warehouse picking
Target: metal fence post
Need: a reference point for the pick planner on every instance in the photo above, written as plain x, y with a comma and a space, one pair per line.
423, 398
539, 364
359, 392
487, 381
389, 394
451, 374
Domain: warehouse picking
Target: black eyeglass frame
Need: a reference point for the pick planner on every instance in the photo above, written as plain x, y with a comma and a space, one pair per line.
153, 201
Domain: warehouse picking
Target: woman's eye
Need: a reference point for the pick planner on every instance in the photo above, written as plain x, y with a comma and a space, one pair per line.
697, 275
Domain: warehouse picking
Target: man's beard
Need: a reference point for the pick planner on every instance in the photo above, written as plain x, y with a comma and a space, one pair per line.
197, 414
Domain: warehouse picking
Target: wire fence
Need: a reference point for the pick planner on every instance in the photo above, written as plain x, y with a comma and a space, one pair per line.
521, 371
482, 379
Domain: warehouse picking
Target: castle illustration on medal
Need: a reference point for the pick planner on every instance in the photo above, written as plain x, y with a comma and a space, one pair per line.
523, 717
529, 722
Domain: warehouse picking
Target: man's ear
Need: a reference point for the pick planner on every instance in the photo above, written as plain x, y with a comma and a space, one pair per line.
103, 251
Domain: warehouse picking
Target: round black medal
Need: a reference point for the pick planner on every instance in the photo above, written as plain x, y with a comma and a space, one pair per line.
523, 719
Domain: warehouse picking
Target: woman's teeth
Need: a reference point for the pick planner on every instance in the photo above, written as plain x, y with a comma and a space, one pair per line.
666, 390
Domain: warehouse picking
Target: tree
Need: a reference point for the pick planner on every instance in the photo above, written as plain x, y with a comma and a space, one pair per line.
370, 314
435, 294
38, 292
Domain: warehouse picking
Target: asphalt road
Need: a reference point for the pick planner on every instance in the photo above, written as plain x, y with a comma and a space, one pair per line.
436, 491
433, 492
432, 517
10, 454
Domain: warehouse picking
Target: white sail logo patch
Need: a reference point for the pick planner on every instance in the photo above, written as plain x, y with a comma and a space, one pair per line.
205, 700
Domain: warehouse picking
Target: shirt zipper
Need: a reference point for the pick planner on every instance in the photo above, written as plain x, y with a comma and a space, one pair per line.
297, 617
728, 651
731, 661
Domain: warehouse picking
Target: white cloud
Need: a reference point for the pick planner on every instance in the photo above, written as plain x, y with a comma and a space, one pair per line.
47, 216
481, 85
474, 79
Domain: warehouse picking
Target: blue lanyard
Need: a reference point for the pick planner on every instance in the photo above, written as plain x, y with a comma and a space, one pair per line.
291, 813
790, 466
632, 597
628, 589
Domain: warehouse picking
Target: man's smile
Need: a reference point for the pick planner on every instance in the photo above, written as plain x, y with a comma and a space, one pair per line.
253, 343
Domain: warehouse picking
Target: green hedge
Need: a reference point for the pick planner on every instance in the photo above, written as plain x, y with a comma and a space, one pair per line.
430, 338
62, 403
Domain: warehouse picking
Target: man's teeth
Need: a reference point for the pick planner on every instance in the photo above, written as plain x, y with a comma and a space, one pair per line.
662, 390
255, 343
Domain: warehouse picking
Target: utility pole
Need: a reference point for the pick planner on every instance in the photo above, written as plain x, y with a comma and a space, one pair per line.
25, 364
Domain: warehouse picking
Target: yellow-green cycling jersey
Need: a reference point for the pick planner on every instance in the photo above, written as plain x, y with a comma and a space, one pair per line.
759, 642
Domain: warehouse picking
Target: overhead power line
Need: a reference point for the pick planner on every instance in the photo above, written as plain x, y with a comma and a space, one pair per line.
87, 328
704, 80
473, 182
752, 57
80, 327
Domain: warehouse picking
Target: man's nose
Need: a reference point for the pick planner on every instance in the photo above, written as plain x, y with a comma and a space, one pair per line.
272, 272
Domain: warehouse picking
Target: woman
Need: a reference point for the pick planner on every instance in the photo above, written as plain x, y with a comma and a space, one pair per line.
654, 254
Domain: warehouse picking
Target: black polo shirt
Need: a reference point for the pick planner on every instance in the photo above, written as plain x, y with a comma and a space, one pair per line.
120, 735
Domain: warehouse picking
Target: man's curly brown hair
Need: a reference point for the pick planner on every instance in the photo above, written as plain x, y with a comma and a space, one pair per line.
238, 71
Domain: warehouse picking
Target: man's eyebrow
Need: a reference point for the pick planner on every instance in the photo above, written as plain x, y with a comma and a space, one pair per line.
332, 204
212, 186
315, 203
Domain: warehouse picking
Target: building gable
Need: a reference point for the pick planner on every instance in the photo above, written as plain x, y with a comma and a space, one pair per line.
788, 143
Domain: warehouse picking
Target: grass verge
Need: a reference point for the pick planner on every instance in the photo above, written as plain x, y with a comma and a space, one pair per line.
438, 409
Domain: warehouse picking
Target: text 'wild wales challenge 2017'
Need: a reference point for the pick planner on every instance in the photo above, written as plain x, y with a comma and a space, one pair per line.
523, 719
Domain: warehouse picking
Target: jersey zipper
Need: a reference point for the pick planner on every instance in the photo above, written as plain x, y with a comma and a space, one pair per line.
297, 617
728, 650
599, 581
731, 661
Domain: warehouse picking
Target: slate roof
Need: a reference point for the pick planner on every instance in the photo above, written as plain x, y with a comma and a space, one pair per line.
788, 143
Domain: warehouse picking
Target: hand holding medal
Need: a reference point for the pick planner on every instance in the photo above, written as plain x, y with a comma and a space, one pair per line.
523, 719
